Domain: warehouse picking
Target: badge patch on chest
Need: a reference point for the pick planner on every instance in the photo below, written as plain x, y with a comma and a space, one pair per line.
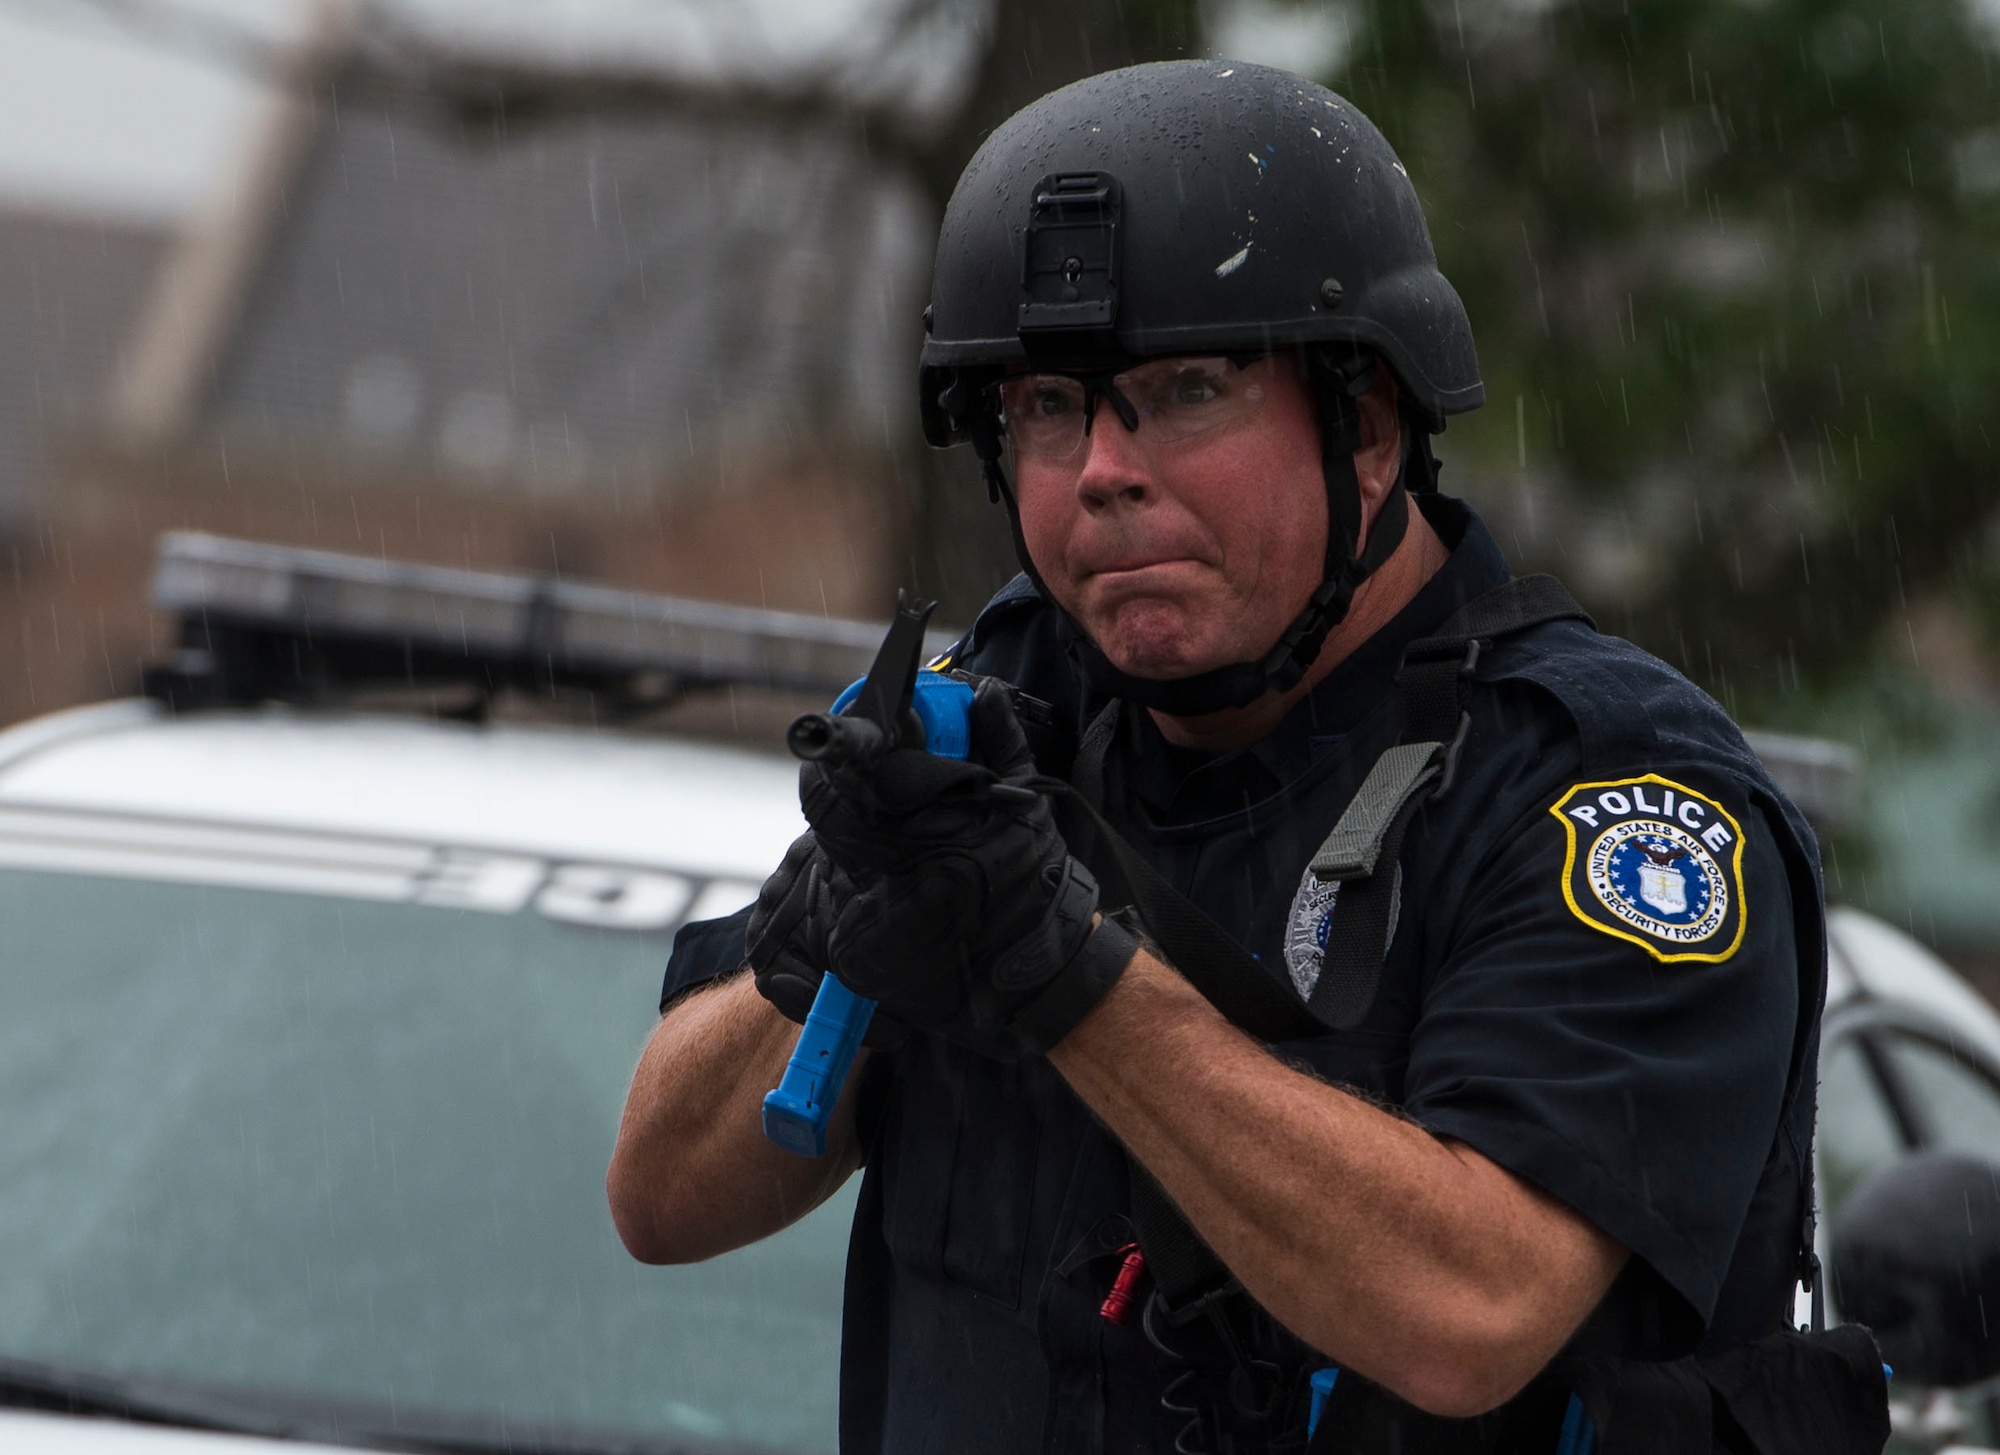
1306, 930
1311, 923
1654, 862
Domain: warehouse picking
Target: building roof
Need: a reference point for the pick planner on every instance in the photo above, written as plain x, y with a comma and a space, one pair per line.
910, 60
537, 268
575, 294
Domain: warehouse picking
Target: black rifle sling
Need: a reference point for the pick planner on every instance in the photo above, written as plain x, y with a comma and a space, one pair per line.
1432, 682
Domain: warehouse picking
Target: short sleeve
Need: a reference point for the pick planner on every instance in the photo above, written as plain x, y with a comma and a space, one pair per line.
705, 950
1613, 1015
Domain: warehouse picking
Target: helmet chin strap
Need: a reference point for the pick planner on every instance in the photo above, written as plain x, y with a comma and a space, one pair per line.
1337, 384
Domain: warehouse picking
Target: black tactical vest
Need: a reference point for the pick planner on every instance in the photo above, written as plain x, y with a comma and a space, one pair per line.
996, 1214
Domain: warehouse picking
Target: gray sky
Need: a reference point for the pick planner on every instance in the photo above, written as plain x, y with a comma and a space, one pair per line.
93, 121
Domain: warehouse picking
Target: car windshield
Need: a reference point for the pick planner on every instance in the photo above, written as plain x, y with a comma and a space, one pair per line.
335, 1150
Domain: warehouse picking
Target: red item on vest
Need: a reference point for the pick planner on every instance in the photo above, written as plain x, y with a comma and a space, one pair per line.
1117, 1305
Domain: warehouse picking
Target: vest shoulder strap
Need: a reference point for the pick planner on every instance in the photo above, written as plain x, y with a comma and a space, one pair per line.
1514, 605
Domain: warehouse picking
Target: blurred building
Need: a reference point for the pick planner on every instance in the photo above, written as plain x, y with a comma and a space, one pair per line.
70, 291
629, 332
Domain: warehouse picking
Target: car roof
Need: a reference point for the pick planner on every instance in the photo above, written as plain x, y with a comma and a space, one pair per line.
605, 796
1870, 961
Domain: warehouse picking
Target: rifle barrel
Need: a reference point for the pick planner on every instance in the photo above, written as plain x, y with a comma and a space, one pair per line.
820, 737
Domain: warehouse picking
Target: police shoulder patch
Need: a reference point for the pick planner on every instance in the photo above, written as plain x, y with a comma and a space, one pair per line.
1654, 862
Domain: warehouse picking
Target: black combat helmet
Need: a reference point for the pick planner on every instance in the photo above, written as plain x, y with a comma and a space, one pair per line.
1199, 207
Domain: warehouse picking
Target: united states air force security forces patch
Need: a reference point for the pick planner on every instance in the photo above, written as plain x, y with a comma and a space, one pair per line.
1657, 863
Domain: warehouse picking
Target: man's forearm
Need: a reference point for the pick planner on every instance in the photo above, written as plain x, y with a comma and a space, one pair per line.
692, 1174
1416, 1262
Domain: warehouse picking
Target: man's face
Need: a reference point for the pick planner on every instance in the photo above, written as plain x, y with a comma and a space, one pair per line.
1191, 543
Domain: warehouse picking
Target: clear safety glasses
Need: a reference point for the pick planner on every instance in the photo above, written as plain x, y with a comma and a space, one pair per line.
1163, 401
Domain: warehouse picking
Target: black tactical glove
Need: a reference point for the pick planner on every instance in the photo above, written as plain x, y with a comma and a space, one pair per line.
786, 939
956, 903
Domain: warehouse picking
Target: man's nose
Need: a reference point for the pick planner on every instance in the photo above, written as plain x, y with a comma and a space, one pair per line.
1116, 468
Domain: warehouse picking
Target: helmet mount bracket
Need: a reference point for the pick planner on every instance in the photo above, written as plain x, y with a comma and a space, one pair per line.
1069, 267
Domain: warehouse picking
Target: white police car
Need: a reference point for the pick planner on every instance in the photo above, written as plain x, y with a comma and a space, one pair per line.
318, 1022
1909, 1062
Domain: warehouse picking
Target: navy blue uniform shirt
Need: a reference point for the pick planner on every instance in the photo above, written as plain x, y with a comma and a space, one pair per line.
1604, 974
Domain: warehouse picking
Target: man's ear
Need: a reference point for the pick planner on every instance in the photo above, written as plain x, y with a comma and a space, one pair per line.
1379, 458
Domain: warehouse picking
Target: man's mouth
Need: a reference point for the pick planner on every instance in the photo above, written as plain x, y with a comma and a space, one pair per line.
1133, 565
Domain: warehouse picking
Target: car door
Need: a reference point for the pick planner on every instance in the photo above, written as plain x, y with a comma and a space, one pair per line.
1895, 1080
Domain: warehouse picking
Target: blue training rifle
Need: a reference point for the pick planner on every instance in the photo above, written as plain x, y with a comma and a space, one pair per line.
895, 705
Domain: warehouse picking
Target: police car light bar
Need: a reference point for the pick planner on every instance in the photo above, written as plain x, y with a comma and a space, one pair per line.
276, 622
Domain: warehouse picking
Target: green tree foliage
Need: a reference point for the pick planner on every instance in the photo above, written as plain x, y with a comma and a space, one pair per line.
1732, 269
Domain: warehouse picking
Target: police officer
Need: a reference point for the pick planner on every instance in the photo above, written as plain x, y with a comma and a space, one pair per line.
1335, 955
